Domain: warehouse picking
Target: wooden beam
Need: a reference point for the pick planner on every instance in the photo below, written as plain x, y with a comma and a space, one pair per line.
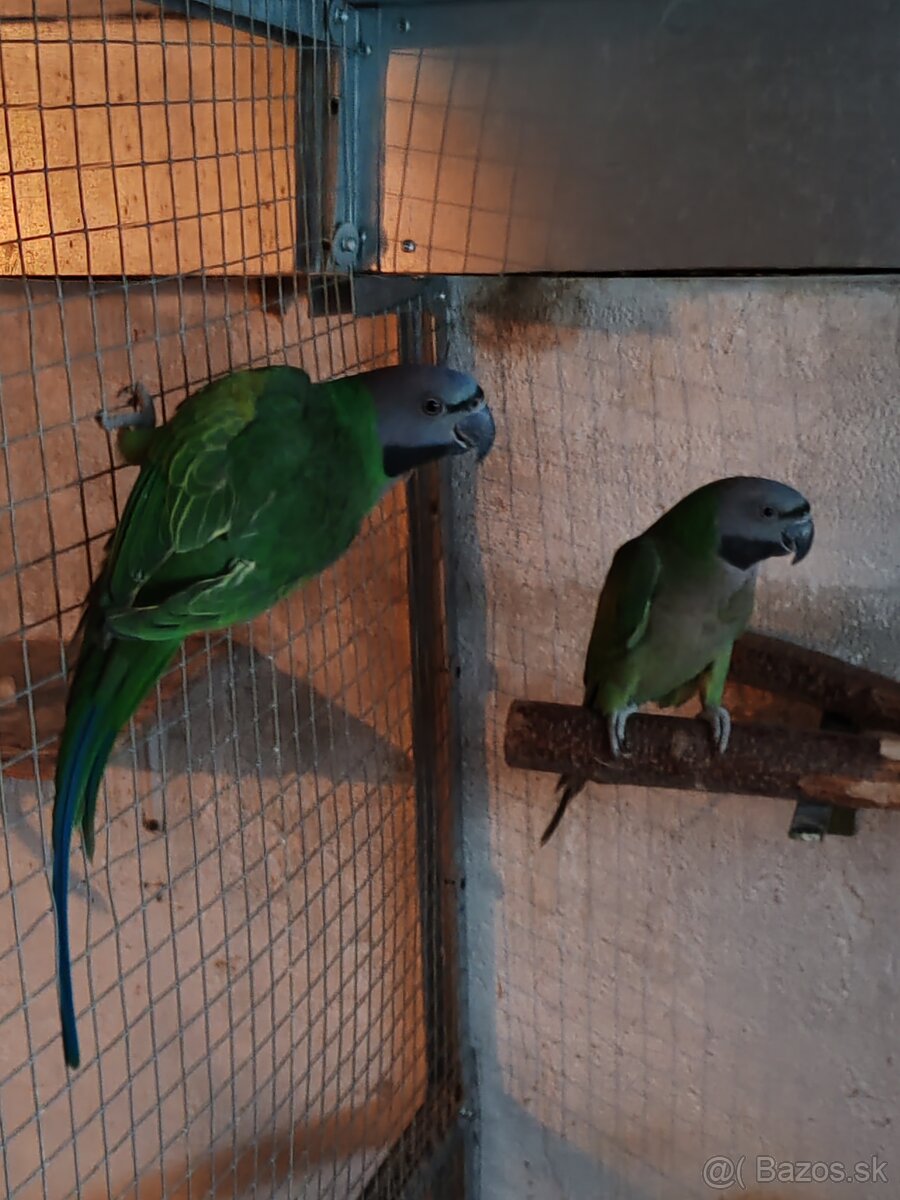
857, 770
869, 700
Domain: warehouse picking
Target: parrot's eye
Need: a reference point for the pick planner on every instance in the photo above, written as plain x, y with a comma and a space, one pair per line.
432, 407
768, 512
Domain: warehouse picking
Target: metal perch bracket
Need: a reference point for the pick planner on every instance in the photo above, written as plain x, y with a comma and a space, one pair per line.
834, 749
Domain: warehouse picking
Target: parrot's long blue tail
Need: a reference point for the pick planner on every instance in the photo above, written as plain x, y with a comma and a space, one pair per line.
108, 685
68, 794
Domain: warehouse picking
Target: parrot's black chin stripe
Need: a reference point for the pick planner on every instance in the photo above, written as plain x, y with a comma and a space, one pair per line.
744, 553
475, 432
400, 460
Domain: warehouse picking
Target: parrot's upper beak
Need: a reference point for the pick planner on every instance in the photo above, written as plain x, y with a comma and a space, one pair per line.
798, 538
476, 430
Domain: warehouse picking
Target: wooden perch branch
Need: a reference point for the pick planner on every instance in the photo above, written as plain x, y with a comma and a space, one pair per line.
869, 700
856, 770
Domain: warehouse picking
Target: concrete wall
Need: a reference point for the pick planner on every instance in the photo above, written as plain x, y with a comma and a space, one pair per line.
671, 978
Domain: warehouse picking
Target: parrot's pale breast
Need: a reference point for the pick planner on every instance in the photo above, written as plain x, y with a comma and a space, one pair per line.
691, 621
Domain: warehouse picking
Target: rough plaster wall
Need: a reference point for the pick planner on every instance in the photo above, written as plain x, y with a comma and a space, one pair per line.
247, 971
672, 978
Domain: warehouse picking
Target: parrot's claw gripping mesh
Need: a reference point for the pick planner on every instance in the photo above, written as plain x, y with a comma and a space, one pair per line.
719, 720
615, 728
142, 413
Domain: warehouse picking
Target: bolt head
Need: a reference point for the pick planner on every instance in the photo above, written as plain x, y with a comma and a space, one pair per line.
408, 246
349, 244
342, 15
404, 25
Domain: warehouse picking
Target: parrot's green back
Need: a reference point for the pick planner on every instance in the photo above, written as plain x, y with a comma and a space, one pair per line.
258, 482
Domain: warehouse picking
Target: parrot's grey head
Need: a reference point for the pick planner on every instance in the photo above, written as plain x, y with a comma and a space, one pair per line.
759, 519
426, 413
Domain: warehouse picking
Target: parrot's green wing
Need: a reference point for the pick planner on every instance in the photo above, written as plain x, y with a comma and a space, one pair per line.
181, 503
620, 623
241, 497
623, 609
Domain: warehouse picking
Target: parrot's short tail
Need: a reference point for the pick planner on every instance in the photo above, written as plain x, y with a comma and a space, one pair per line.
108, 685
570, 786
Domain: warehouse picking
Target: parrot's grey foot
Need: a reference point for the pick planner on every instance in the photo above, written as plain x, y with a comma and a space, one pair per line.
142, 416
719, 720
615, 729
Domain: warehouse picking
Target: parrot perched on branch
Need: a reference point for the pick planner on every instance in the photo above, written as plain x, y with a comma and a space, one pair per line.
675, 600
257, 483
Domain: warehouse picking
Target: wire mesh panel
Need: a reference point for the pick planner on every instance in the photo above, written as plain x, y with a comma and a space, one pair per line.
671, 980
147, 146
253, 990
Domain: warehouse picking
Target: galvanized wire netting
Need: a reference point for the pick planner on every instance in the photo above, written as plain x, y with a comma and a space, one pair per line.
671, 979
252, 981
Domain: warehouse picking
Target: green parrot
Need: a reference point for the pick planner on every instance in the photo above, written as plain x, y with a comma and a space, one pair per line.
675, 600
257, 483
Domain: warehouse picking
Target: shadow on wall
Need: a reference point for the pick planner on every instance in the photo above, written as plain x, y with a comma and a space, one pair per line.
288, 1155
557, 311
856, 623
230, 719
541, 1163
302, 718
254, 889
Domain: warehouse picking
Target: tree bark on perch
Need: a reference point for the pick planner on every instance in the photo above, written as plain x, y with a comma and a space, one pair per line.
869, 700
856, 770
845, 696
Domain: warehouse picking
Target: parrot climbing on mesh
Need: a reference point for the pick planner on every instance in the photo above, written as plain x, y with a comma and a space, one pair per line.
257, 483
675, 600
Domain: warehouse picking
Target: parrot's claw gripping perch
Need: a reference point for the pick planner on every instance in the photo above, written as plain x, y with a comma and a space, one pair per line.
615, 729
141, 416
719, 720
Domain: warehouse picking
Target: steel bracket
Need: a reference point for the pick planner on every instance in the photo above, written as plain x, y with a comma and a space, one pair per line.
369, 295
